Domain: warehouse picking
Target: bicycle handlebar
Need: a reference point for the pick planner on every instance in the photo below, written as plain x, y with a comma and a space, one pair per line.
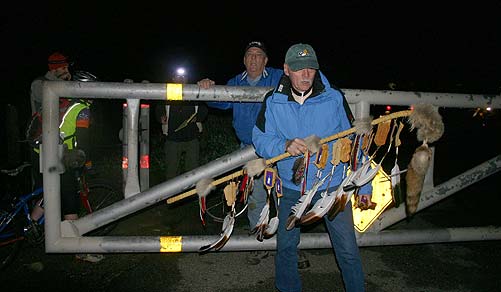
15, 171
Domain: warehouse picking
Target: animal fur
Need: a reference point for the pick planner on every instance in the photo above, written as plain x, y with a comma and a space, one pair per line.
363, 125
255, 167
416, 172
396, 190
428, 122
204, 187
312, 143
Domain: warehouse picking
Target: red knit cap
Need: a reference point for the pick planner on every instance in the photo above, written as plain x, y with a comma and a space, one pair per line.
57, 60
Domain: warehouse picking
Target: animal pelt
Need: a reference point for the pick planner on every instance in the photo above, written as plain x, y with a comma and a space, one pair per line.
312, 143
416, 171
363, 125
396, 186
255, 166
428, 122
204, 187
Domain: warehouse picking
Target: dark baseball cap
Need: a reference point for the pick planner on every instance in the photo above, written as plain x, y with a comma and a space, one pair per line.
256, 44
301, 56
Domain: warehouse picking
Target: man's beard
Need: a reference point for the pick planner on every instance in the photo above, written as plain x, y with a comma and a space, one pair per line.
64, 76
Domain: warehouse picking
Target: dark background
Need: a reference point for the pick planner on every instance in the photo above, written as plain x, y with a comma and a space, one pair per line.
419, 47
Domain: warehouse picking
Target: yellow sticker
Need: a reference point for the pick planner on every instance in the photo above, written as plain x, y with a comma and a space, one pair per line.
381, 195
174, 91
171, 243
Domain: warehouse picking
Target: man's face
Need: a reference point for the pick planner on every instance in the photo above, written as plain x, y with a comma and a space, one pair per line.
301, 80
255, 61
179, 79
62, 73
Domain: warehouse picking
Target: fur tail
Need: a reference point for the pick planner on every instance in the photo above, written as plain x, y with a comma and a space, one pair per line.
416, 172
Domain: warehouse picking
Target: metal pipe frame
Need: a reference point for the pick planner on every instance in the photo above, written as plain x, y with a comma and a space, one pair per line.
67, 236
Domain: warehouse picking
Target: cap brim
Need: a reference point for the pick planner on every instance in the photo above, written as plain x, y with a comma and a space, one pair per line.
303, 64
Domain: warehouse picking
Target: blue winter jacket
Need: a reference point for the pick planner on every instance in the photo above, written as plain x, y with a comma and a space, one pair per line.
245, 113
282, 118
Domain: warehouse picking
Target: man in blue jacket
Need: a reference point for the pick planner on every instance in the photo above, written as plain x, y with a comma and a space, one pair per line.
244, 117
304, 104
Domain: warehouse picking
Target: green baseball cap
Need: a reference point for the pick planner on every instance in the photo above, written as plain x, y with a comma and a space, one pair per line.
301, 56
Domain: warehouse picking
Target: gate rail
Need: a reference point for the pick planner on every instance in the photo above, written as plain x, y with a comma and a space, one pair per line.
67, 236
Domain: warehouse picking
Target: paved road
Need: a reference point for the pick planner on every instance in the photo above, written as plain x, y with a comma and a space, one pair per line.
447, 267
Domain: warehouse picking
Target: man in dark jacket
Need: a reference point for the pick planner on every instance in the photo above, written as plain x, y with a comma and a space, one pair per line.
182, 126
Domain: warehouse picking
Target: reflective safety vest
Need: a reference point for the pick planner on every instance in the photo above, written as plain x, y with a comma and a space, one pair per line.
68, 125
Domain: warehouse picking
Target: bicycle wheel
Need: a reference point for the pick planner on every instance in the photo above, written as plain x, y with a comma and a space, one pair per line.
102, 195
11, 241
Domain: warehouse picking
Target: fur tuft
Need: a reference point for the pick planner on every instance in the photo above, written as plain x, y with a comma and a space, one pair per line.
363, 125
204, 187
312, 143
255, 167
414, 178
428, 122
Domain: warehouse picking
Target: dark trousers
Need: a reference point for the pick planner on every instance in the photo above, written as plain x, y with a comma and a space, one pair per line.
173, 154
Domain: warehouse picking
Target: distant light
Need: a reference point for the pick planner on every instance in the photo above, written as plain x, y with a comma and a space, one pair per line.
180, 71
488, 108
388, 107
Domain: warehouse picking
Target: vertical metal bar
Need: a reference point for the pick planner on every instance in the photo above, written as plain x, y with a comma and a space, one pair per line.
124, 138
362, 109
132, 179
144, 145
51, 167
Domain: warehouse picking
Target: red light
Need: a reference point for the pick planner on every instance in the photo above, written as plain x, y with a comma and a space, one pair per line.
388, 107
125, 162
144, 161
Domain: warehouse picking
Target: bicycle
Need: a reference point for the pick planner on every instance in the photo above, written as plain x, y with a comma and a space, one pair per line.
17, 225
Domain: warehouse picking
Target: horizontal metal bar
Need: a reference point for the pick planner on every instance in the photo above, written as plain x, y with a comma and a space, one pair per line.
124, 244
158, 91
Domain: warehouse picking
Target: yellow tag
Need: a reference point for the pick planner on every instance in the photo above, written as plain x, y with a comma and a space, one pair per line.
171, 243
230, 193
345, 149
382, 133
174, 91
366, 145
322, 156
397, 138
336, 153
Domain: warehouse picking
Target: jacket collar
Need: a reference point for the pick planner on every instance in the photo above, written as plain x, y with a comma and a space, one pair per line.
244, 74
285, 87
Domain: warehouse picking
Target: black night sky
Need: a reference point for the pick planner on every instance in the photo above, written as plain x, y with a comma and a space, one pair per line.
365, 46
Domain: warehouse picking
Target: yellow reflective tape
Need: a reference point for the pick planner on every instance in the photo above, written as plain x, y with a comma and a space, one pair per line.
174, 91
171, 243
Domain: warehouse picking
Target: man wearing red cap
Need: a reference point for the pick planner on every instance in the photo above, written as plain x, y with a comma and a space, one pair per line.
58, 70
